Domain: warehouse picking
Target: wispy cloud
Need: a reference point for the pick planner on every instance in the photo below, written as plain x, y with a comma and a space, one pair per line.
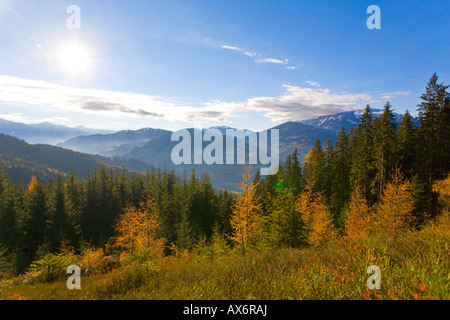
231, 48
313, 83
272, 60
393, 95
259, 57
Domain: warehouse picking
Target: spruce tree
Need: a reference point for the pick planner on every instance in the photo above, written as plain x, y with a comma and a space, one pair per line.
73, 204
433, 131
58, 216
36, 223
362, 166
282, 223
406, 145
340, 186
384, 148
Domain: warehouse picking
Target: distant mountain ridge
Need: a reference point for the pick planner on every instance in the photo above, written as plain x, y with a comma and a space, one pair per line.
21, 160
152, 147
157, 152
113, 144
347, 119
45, 132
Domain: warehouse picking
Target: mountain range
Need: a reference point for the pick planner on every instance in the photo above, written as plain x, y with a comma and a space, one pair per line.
140, 149
44, 132
348, 120
21, 160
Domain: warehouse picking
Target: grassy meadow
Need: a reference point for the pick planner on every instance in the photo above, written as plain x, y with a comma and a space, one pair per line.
416, 265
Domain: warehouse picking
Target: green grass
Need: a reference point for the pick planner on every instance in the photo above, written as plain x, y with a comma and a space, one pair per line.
412, 267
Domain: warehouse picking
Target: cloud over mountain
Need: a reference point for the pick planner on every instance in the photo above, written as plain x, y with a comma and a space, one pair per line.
296, 103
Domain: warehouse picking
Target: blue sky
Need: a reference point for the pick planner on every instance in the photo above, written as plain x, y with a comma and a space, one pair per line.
248, 64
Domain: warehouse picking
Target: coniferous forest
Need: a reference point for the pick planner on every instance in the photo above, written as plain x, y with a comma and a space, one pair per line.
379, 195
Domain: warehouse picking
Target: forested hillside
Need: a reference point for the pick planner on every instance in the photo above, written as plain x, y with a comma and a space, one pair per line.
380, 181
21, 161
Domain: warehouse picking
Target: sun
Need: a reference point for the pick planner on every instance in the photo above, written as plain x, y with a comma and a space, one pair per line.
74, 58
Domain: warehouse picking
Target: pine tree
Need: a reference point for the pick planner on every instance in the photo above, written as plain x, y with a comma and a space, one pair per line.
329, 169
106, 213
384, 148
434, 130
36, 226
209, 206
224, 209
406, 145
282, 223
340, 186
169, 205
58, 229
8, 215
73, 205
292, 170
122, 189
421, 201
362, 167
89, 219
184, 234
2, 182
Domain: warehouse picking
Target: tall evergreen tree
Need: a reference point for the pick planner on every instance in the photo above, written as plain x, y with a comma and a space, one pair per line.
73, 204
362, 170
406, 145
384, 145
433, 155
36, 221
293, 176
282, 222
340, 186
8, 215
59, 229
434, 131
329, 169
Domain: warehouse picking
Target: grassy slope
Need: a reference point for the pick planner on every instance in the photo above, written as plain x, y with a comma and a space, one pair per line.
415, 266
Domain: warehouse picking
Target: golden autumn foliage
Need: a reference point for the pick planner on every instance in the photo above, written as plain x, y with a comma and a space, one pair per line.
358, 220
138, 228
32, 185
442, 222
316, 217
245, 217
92, 260
394, 213
443, 188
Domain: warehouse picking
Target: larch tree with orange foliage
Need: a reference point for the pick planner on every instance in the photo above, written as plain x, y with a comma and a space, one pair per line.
316, 217
245, 218
395, 211
358, 219
442, 187
138, 228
